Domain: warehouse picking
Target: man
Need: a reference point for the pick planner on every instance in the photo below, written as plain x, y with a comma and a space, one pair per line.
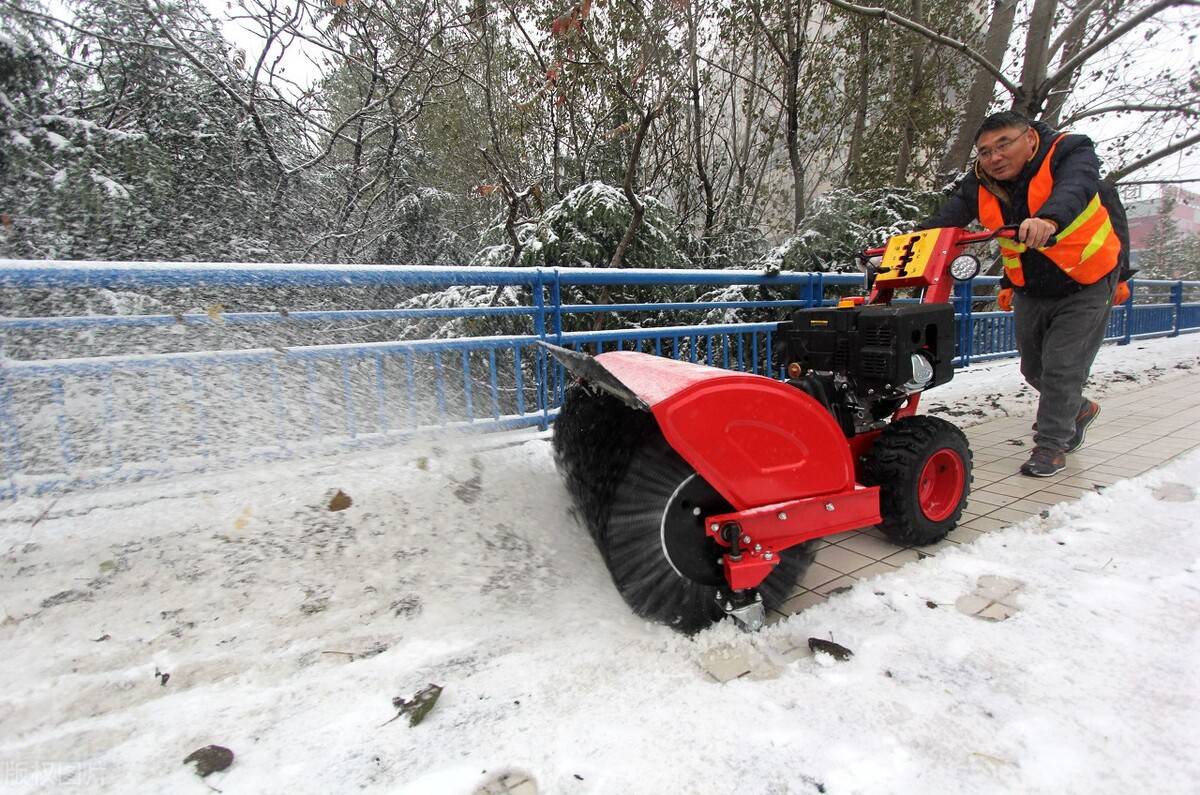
1048, 183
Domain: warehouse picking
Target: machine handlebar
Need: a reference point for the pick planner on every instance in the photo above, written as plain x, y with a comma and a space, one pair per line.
1008, 231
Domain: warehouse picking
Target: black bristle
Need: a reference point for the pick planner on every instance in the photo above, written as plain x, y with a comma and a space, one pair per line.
595, 435
621, 474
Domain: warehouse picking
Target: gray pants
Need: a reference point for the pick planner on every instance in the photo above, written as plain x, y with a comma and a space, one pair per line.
1058, 339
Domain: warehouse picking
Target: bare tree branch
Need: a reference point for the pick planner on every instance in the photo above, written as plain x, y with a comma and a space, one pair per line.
1192, 109
93, 34
945, 41
1117, 175
1064, 71
247, 105
1077, 21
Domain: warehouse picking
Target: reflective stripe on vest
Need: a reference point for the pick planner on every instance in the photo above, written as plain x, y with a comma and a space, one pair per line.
1010, 250
1087, 248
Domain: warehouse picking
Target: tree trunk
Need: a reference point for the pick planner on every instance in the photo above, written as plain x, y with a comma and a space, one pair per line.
860, 110
792, 103
980, 97
908, 134
698, 132
1037, 57
750, 122
1071, 48
639, 209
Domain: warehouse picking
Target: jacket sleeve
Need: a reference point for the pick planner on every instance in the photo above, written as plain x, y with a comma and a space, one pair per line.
960, 209
1076, 171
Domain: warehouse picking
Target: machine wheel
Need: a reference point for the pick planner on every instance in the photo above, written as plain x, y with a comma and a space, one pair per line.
644, 506
922, 466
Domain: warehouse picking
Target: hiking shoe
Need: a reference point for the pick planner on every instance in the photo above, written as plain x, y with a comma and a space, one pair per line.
1082, 420
1044, 462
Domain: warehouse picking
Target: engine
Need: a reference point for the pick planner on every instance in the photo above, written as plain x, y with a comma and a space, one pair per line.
862, 362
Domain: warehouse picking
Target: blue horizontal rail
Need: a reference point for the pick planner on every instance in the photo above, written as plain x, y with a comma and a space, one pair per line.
257, 318
143, 409
113, 275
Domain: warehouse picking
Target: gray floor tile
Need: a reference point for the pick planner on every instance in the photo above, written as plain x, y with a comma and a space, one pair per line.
842, 559
801, 601
874, 548
878, 567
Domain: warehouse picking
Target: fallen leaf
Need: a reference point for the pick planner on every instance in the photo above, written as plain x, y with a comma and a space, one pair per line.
419, 706
340, 502
835, 650
210, 759
214, 313
242, 520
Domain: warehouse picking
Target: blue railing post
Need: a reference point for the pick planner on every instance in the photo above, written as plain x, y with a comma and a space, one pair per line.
556, 303
1177, 300
963, 294
1129, 314
820, 289
804, 292
556, 327
539, 329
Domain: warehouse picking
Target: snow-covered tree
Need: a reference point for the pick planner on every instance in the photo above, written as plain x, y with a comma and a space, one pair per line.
585, 228
844, 222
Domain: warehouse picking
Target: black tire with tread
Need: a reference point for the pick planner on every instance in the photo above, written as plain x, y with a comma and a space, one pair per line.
895, 463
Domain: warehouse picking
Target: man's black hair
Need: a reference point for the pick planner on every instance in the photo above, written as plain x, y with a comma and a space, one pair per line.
1002, 121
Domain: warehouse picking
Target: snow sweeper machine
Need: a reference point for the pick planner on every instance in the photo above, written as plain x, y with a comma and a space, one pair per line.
704, 488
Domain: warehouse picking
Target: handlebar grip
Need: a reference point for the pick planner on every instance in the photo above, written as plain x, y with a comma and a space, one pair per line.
1015, 228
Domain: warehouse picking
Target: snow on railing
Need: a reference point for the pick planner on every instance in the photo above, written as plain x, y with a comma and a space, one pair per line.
72, 416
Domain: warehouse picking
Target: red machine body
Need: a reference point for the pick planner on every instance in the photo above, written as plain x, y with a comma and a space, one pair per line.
774, 453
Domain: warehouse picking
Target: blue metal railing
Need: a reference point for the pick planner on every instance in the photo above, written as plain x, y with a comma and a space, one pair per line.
82, 421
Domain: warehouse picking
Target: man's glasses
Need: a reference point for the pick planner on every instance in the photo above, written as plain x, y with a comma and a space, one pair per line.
1002, 146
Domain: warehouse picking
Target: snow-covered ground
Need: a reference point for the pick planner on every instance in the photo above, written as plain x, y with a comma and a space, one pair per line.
139, 624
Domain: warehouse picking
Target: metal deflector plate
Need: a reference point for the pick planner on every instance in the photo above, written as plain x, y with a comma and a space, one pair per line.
590, 370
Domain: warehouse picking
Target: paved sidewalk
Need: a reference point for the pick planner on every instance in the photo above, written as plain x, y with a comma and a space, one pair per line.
1135, 432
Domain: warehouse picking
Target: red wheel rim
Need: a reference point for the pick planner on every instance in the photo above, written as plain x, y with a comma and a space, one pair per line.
941, 484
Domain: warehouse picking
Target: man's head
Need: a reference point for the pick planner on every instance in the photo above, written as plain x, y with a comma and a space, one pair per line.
1005, 142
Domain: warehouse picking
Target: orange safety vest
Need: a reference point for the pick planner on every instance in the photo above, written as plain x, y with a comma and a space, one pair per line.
1087, 249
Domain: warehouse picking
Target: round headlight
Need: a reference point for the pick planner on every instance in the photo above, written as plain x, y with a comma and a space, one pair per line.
964, 267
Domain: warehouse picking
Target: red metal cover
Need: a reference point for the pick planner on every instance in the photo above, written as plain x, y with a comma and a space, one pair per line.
757, 441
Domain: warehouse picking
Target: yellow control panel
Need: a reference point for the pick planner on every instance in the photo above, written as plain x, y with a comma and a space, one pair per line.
906, 257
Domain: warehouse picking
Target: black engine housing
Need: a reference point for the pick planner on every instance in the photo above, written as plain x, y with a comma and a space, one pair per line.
872, 346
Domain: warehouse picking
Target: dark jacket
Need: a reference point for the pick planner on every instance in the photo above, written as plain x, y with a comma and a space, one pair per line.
1076, 172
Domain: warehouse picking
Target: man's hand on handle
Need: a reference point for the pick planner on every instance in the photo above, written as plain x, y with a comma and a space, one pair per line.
1034, 232
1122, 294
